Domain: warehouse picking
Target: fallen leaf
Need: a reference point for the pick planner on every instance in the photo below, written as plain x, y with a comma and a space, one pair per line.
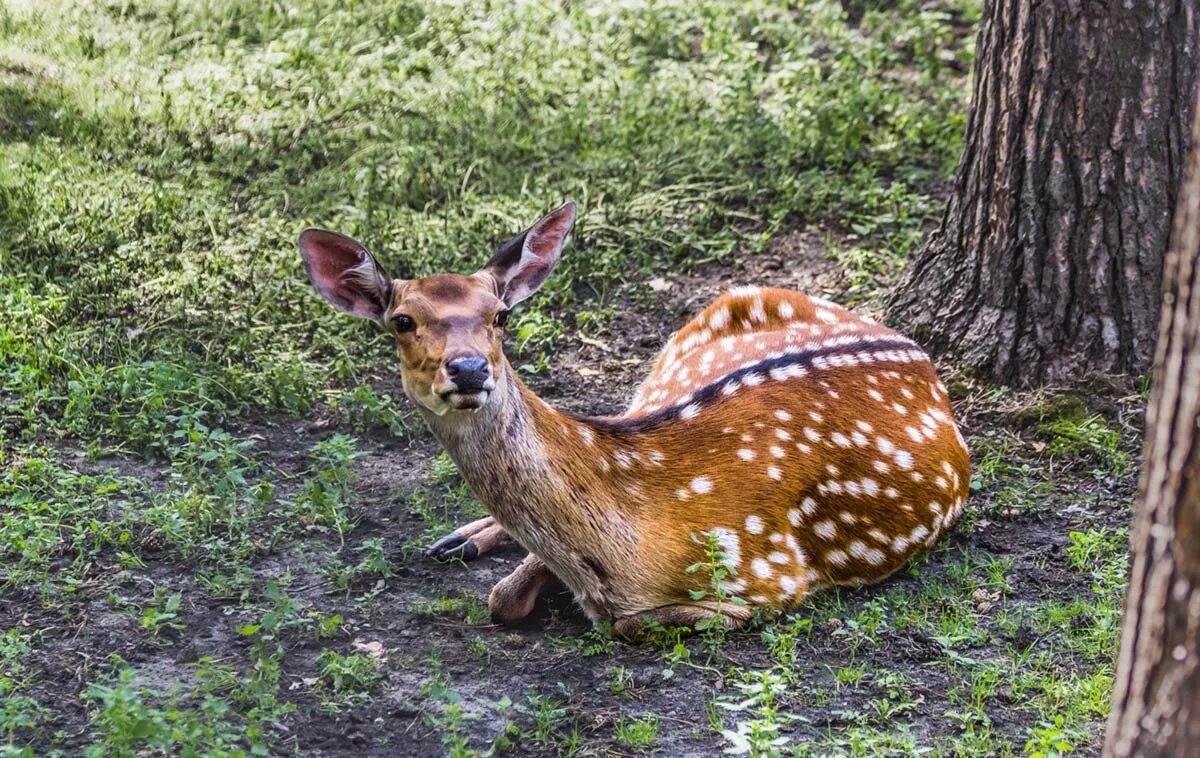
595, 343
585, 371
374, 648
658, 284
984, 600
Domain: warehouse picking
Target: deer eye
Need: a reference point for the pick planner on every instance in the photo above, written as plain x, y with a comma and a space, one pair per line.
403, 323
502, 318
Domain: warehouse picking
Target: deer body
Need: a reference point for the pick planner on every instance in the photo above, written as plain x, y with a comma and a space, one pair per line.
816, 447
820, 449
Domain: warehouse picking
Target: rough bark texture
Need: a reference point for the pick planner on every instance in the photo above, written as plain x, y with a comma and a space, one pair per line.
1047, 264
1156, 700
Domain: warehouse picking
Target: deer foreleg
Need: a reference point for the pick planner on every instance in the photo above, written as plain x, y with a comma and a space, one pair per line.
470, 541
513, 596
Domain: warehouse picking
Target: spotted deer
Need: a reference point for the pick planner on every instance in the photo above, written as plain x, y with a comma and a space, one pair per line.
815, 446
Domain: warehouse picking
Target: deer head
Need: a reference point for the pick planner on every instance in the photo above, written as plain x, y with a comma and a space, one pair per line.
449, 328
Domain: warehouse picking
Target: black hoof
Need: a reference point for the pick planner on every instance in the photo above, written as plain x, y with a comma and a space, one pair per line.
452, 547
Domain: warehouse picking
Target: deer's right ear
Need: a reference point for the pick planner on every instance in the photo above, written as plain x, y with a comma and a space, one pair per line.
345, 273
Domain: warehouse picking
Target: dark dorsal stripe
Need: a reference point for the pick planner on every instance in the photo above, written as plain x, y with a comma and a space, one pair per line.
712, 392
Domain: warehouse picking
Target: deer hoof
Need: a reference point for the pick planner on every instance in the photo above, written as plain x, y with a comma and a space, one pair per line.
453, 546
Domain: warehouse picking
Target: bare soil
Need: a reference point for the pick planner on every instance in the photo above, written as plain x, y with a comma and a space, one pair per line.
542, 654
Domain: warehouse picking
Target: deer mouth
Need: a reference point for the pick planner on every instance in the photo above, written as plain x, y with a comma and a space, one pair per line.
468, 400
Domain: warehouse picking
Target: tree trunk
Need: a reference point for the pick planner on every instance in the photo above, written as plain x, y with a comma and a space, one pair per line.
1047, 264
1156, 700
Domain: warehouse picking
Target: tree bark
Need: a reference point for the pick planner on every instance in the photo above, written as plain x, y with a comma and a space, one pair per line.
1156, 698
1047, 265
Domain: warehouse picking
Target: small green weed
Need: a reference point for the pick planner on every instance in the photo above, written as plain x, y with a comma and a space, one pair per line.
349, 678
638, 734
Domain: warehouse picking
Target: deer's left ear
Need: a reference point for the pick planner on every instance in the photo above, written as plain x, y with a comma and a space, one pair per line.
522, 264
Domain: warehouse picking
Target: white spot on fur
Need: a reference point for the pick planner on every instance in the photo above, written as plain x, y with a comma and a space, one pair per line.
774, 473
732, 588
746, 454
754, 524
761, 568
702, 485
871, 555
730, 545
794, 517
719, 319
825, 529
757, 313
745, 290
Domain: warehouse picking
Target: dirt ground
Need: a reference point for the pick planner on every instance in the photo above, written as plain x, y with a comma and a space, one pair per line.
491, 672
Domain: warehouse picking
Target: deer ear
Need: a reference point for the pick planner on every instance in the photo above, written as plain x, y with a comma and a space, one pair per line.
522, 264
345, 273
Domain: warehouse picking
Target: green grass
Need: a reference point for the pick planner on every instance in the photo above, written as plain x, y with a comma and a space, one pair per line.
638, 734
161, 353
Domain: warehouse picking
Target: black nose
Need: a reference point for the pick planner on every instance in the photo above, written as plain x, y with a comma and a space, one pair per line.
469, 372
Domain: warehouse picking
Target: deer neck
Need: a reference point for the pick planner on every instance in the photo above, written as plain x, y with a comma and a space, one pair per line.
510, 462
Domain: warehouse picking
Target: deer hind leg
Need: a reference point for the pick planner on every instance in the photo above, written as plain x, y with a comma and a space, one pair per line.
513, 596
728, 615
470, 541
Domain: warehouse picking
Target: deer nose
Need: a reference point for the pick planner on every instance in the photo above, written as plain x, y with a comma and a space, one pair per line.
469, 373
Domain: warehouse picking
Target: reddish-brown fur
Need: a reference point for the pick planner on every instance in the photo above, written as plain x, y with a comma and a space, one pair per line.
816, 446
